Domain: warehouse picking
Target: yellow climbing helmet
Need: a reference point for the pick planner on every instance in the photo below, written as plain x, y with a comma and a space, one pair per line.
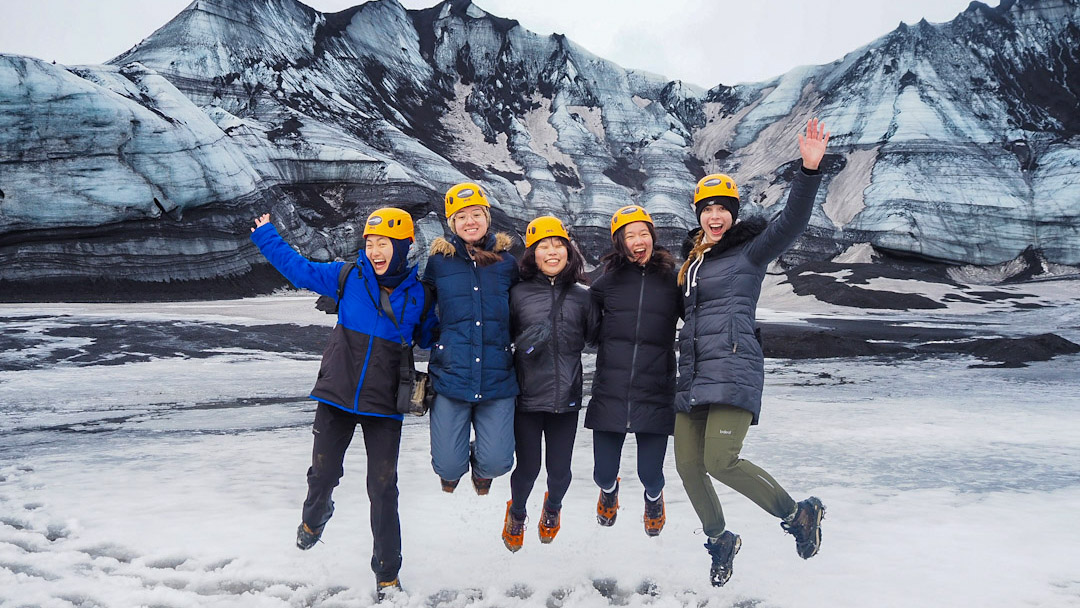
464, 195
716, 184
390, 222
627, 215
543, 227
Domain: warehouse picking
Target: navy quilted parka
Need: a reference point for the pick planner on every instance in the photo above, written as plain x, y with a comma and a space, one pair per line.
472, 359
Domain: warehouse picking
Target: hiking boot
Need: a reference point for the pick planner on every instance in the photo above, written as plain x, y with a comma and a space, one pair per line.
806, 527
723, 552
385, 589
448, 486
481, 484
513, 533
607, 507
655, 515
549, 522
306, 537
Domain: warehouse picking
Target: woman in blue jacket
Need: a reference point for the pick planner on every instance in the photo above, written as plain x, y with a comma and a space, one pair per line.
359, 374
721, 365
472, 366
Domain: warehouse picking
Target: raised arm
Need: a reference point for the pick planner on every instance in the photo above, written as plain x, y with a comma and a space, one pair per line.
793, 219
317, 276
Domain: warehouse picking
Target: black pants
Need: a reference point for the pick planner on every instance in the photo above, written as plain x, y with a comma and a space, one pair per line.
558, 431
333, 430
607, 452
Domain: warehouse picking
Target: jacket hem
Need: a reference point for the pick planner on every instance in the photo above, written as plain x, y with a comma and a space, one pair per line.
356, 411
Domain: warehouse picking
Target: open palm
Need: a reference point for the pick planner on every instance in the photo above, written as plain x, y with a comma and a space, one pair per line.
812, 145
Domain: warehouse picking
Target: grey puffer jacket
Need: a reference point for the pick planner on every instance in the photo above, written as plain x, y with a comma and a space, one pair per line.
720, 360
551, 377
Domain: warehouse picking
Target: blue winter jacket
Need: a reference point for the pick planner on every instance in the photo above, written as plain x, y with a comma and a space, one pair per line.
360, 366
472, 360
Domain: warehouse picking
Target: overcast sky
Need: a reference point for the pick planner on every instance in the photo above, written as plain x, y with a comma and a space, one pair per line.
704, 42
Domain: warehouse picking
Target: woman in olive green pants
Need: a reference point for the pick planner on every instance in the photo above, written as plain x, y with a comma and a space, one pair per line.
710, 440
721, 364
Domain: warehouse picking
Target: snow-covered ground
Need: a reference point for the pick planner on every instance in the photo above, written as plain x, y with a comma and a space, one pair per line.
176, 480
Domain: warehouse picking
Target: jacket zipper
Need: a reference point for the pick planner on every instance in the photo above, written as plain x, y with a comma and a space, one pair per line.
633, 358
555, 343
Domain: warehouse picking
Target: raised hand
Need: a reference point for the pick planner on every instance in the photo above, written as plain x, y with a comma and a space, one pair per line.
262, 219
812, 145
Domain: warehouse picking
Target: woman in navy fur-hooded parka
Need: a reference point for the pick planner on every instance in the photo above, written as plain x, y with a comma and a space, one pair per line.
472, 366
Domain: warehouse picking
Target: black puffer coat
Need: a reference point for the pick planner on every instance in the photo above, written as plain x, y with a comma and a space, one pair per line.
634, 387
550, 377
720, 360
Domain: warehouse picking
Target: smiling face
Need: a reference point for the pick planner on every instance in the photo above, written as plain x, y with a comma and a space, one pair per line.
471, 224
715, 221
638, 241
551, 256
380, 252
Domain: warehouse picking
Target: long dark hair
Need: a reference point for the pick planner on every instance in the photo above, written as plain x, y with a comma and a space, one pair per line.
661, 259
482, 256
575, 264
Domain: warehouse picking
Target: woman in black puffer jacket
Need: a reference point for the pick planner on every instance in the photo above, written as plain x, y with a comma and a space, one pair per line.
634, 387
552, 317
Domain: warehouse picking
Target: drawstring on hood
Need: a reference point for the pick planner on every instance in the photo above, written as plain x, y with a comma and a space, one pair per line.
694, 258
690, 278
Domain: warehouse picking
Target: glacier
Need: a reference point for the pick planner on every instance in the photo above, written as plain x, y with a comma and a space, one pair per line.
955, 144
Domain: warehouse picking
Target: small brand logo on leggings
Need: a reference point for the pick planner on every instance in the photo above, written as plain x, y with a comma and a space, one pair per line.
723, 432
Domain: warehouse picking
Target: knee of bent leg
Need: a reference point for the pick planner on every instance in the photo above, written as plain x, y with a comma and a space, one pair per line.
499, 465
720, 461
688, 468
325, 468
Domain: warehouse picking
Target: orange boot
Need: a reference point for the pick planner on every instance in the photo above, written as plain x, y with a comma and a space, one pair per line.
655, 515
549, 522
513, 533
607, 507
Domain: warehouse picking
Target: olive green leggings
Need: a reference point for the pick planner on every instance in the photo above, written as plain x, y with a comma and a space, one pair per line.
708, 440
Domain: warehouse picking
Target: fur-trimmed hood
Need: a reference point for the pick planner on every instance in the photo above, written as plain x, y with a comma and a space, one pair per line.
740, 233
445, 247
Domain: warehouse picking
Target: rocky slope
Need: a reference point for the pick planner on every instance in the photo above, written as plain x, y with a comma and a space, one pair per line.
956, 143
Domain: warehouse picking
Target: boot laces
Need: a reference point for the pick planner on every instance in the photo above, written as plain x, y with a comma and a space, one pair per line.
517, 526
800, 526
654, 509
549, 519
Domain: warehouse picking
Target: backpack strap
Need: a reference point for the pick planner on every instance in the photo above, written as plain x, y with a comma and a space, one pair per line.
384, 302
342, 276
328, 304
559, 300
